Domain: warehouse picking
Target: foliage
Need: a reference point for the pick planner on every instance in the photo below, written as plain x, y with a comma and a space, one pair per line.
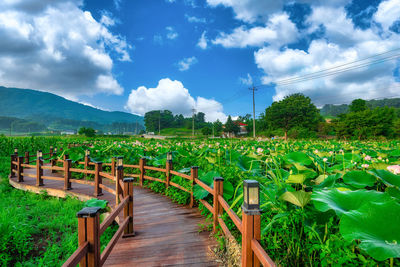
230, 126
88, 132
294, 110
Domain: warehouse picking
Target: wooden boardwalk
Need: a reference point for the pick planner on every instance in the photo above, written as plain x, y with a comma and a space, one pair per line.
166, 234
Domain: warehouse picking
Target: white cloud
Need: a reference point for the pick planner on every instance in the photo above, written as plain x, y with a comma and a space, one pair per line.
247, 80
171, 33
186, 63
341, 43
202, 43
388, 12
278, 30
158, 39
193, 19
57, 47
259, 10
173, 96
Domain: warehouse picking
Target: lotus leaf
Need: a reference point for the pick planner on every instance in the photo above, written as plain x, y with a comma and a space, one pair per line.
387, 177
376, 225
343, 202
96, 203
298, 198
298, 157
359, 179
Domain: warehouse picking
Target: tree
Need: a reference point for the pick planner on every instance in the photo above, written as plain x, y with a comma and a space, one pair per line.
358, 105
206, 130
217, 128
88, 132
231, 127
294, 110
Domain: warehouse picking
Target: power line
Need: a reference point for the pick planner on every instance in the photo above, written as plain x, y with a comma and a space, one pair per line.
254, 112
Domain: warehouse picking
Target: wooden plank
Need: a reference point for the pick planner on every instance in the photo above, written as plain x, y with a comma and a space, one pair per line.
131, 166
102, 186
224, 228
113, 241
107, 175
236, 220
207, 205
78, 181
52, 178
76, 257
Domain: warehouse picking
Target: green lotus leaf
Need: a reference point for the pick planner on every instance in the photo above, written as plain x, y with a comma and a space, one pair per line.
326, 181
387, 177
96, 203
345, 201
393, 192
298, 157
208, 179
248, 164
376, 225
298, 198
395, 153
359, 179
296, 179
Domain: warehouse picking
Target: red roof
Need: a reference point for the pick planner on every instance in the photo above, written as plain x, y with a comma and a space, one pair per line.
242, 124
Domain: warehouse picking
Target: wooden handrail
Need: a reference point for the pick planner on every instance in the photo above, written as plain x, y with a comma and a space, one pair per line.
77, 256
181, 174
155, 169
107, 175
262, 256
204, 186
207, 205
110, 218
236, 220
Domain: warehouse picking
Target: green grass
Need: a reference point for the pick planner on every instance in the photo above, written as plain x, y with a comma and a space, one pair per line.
37, 230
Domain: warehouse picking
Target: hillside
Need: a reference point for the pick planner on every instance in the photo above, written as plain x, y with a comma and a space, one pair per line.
334, 110
58, 112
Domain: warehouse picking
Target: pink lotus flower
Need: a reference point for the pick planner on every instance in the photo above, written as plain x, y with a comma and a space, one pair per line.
260, 150
394, 169
325, 159
316, 151
367, 157
365, 165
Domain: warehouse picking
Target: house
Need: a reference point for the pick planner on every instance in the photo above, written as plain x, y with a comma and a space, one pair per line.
242, 126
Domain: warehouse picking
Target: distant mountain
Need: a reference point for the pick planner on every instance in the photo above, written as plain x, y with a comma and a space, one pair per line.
335, 110
51, 109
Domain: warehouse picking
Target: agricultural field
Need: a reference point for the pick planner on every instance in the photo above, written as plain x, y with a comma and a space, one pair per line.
323, 202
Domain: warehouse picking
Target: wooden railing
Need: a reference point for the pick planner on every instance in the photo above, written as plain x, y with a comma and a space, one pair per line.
88, 251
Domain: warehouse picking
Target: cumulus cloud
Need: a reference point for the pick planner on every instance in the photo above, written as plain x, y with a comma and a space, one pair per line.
193, 19
246, 80
186, 63
57, 47
278, 30
259, 10
388, 13
341, 43
173, 96
171, 33
202, 43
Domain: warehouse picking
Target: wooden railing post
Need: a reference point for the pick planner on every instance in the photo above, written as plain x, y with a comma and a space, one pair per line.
142, 163
51, 152
52, 164
39, 171
128, 209
20, 169
168, 168
194, 173
217, 208
118, 177
97, 179
250, 229
67, 174
88, 230
87, 161
12, 166
66, 156
113, 163
26, 157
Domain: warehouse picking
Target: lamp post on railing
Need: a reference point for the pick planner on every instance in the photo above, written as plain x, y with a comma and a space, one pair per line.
16, 151
87, 160
250, 221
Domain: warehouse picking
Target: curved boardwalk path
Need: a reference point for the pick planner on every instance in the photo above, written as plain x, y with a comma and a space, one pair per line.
165, 233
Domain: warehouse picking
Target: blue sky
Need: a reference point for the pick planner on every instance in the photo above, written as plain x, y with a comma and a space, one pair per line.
137, 56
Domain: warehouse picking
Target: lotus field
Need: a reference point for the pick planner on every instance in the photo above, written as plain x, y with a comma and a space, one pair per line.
323, 202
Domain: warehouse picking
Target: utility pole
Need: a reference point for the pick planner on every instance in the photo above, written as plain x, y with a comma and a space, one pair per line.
254, 112
194, 111
159, 123
213, 129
